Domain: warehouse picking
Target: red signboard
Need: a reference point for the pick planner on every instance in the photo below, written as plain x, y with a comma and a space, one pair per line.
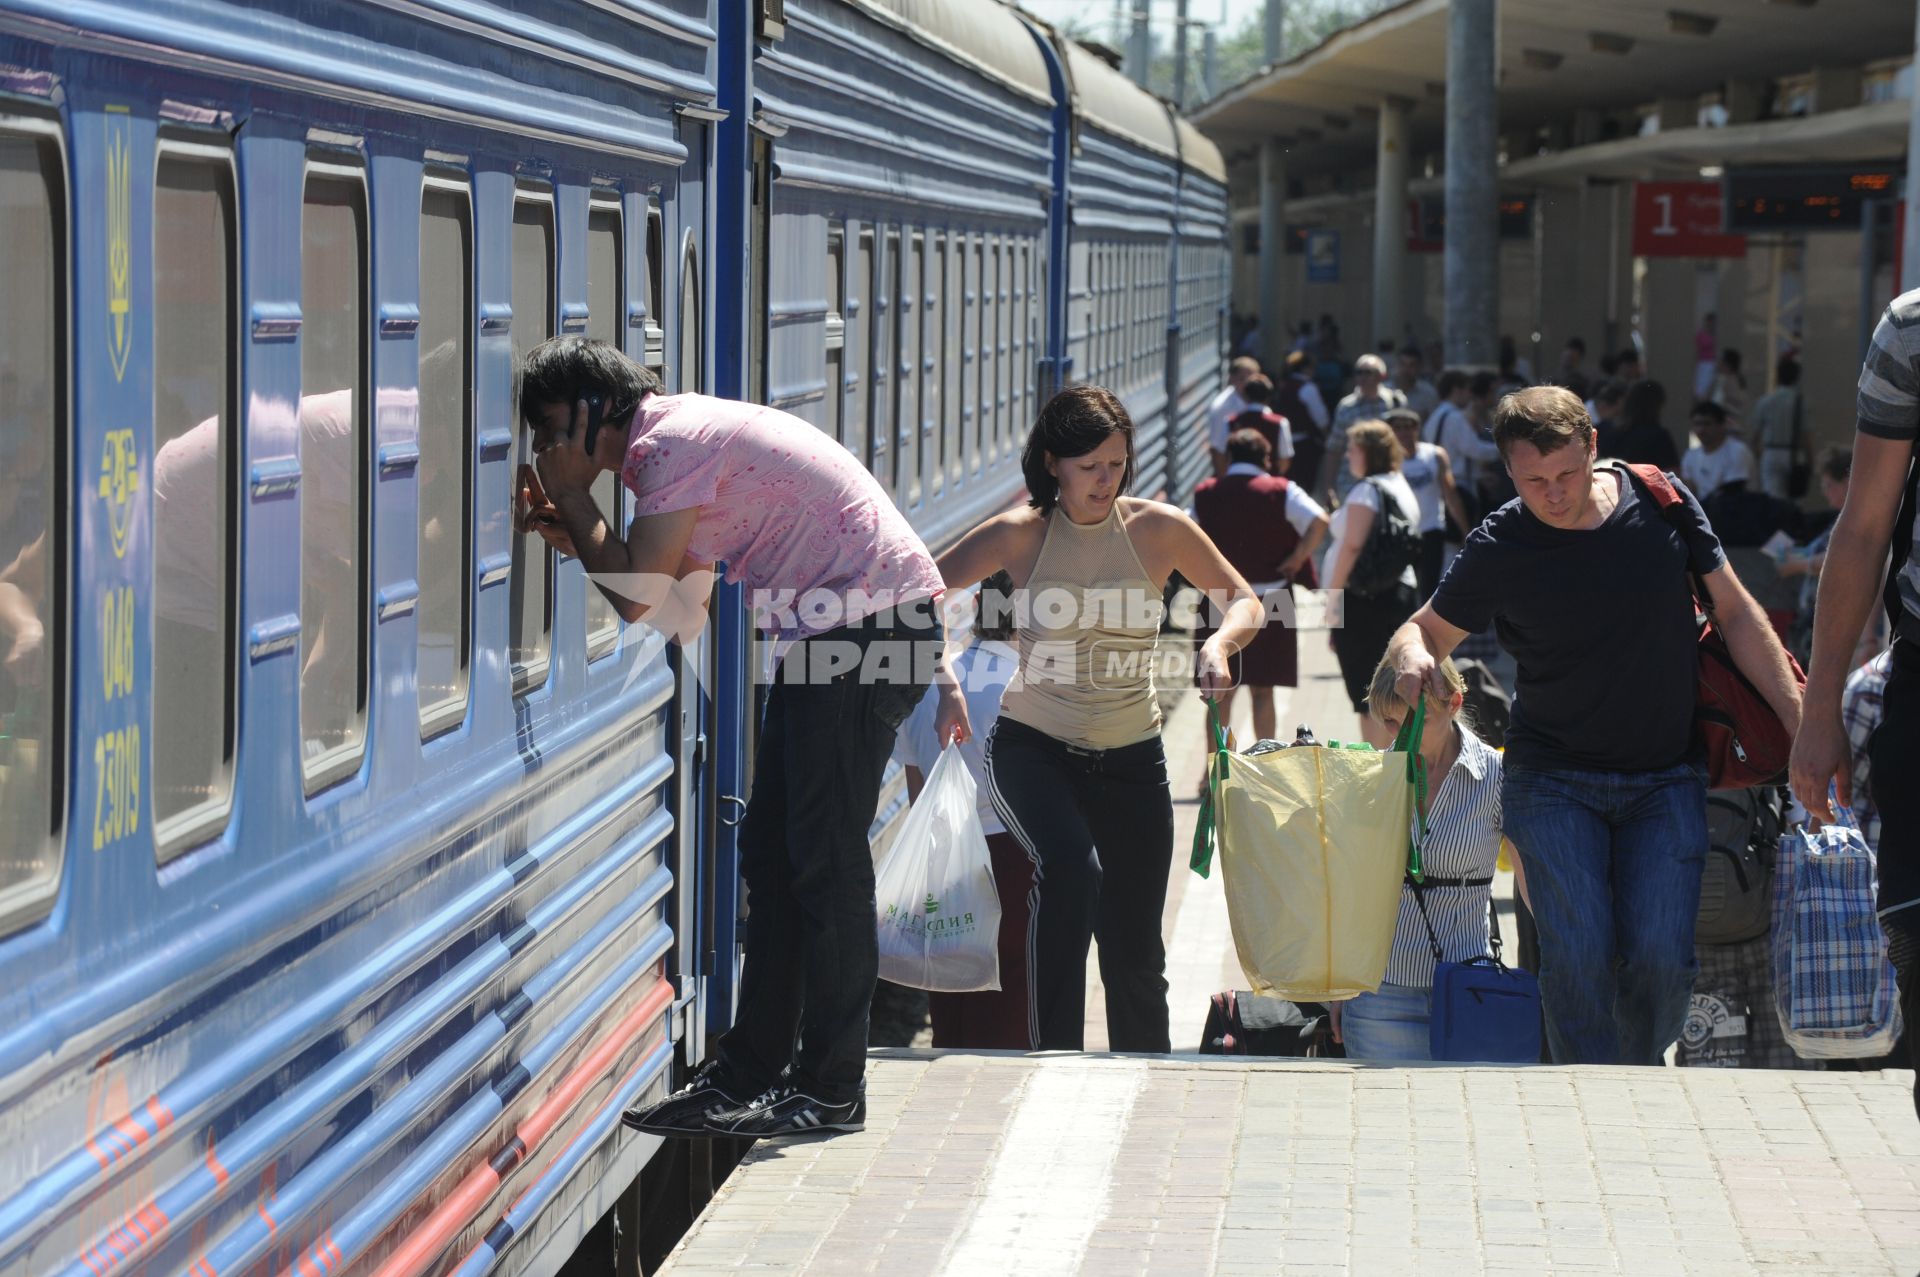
1682, 219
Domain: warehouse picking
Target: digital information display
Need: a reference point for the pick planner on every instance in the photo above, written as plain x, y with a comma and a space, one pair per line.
1806, 199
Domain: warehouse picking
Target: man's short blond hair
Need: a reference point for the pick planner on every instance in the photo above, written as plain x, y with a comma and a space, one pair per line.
1548, 417
1246, 364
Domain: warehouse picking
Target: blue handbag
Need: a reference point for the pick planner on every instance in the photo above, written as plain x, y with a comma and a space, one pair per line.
1482, 1009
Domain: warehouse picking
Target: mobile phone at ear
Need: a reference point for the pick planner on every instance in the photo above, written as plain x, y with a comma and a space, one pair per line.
596, 413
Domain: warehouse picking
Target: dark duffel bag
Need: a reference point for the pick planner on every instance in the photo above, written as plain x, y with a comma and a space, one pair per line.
1242, 1023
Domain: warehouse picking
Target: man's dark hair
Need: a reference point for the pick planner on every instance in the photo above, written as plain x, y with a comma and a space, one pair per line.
1631, 355
1644, 400
1787, 371
1257, 390
1836, 463
994, 619
1612, 390
1072, 424
1609, 364
1548, 417
1716, 413
1731, 358
1450, 380
564, 370
1249, 446
1577, 345
1482, 384
1397, 417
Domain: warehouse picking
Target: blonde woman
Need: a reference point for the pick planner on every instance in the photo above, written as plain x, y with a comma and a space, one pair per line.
1365, 612
1458, 852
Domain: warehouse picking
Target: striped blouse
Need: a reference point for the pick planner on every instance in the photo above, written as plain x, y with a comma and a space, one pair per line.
1463, 841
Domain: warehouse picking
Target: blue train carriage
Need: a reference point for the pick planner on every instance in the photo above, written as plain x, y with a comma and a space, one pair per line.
1123, 183
1197, 336
342, 900
910, 156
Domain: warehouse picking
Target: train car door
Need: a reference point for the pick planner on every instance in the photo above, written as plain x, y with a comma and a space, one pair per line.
696, 665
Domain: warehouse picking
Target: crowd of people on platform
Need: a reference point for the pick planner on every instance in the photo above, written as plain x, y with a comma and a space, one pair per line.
1436, 514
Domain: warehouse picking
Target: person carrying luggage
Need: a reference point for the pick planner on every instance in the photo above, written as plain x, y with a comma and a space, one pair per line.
1075, 760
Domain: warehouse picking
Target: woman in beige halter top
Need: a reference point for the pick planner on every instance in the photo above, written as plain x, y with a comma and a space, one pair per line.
1074, 761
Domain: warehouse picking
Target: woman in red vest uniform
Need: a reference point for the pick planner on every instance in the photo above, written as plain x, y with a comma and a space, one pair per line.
1268, 528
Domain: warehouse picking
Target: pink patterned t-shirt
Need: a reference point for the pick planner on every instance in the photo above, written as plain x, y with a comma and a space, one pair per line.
808, 531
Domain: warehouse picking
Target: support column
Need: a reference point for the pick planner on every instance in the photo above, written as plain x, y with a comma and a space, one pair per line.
1273, 249
1139, 45
1390, 224
1910, 252
1473, 207
1180, 54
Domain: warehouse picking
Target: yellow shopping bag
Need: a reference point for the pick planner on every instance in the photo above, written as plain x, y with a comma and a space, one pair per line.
1314, 844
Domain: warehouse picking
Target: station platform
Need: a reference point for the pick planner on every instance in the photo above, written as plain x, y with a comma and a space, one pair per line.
996, 1164
1110, 1166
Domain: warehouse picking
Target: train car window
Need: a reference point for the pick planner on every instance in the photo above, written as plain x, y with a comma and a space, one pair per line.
444, 614
884, 411
833, 416
530, 581
1023, 405
977, 330
606, 321
33, 516
953, 255
1002, 343
334, 528
939, 336
906, 457
693, 362
1095, 313
656, 333
860, 317
194, 507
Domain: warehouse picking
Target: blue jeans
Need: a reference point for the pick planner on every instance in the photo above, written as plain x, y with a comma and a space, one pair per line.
1613, 863
1390, 1025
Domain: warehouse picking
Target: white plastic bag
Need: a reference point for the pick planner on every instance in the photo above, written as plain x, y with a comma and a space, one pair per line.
935, 904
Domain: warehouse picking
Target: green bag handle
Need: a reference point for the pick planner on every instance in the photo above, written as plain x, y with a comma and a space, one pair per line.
1201, 861
1408, 740
1205, 836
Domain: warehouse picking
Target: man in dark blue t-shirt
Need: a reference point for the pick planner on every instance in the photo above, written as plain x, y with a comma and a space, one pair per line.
1584, 579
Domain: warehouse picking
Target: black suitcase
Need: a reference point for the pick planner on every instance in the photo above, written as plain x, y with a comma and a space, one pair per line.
1242, 1023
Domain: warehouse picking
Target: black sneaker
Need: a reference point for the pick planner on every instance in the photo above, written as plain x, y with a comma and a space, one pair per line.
786, 1110
687, 1111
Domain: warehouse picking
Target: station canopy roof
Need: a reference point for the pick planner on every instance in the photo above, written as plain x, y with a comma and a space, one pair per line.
1555, 57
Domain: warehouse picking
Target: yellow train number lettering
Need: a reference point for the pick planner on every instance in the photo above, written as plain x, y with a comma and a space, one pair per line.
117, 760
116, 642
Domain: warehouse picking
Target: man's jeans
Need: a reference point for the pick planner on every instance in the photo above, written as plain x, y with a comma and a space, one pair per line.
812, 955
1613, 863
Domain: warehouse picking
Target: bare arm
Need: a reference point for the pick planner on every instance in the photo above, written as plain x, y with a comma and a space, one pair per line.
1849, 586
1756, 648
1199, 560
977, 555
1309, 542
1417, 649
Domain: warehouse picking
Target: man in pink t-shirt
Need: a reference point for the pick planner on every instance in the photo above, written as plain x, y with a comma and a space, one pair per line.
846, 589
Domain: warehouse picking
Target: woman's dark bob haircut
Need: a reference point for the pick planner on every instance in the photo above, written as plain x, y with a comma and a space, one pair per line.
1072, 424
562, 370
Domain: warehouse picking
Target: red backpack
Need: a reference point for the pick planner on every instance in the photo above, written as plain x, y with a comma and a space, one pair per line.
1746, 742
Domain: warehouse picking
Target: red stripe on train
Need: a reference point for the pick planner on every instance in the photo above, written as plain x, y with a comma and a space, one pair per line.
427, 1241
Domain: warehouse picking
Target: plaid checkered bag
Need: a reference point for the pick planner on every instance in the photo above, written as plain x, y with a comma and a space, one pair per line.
1833, 987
